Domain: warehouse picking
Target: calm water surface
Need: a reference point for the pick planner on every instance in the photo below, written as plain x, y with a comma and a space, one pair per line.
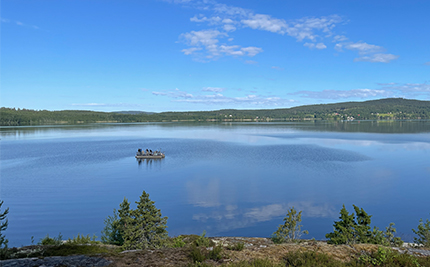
230, 179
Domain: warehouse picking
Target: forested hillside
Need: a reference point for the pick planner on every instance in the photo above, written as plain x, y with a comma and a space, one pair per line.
383, 109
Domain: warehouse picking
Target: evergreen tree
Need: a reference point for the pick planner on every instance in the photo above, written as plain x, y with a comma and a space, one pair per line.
351, 230
362, 227
291, 229
343, 230
423, 233
112, 232
3, 227
143, 227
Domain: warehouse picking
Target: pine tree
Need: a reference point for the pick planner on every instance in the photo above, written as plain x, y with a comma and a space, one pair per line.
291, 229
343, 230
143, 227
3, 226
362, 227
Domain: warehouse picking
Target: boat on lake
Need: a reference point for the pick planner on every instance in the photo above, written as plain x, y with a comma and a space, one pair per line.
149, 154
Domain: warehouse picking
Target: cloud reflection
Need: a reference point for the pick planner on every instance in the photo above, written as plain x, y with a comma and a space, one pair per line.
230, 217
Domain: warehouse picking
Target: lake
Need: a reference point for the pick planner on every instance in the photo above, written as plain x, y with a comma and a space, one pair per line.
228, 179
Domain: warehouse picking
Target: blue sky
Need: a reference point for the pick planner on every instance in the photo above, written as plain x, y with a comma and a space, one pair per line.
178, 55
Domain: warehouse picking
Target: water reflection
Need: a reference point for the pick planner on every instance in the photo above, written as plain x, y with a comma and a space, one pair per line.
149, 163
228, 179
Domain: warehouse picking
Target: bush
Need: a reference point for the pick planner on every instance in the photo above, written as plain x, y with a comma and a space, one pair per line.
54, 241
290, 231
237, 247
216, 253
423, 233
196, 254
4, 251
82, 240
203, 241
310, 259
177, 242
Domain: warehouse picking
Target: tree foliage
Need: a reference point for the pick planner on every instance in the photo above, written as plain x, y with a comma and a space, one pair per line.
290, 231
383, 109
423, 233
3, 226
355, 228
143, 227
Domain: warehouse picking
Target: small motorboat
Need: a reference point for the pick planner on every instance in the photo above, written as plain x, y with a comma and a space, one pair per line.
149, 154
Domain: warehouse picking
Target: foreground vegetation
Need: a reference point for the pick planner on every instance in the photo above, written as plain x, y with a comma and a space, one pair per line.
138, 237
383, 109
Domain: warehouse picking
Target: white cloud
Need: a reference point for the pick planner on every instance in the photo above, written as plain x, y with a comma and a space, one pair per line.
427, 63
105, 105
213, 89
363, 48
19, 23
380, 58
409, 88
337, 94
266, 22
251, 62
277, 68
318, 46
340, 38
209, 39
189, 51
217, 98
174, 94
228, 19
211, 20
229, 28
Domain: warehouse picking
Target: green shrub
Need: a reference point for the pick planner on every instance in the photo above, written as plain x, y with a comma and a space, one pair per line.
238, 246
203, 241
310, 259
388, 257
256, 263
81, 240
290, 231
176, 242
423, 233
197, 255
55, 241
216, 253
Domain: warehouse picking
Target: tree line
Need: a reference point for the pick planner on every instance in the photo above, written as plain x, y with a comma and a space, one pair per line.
383, 109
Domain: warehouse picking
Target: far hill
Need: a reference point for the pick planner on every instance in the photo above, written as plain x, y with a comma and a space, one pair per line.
383, 109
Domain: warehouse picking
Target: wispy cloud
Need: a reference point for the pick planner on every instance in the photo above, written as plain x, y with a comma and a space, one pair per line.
368, 52
105, 105
174, 94
318, 46
19, 23
213, 89
208, 41
224, 20
218, 98
408, 90
338, 94
412, 89
379, 58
